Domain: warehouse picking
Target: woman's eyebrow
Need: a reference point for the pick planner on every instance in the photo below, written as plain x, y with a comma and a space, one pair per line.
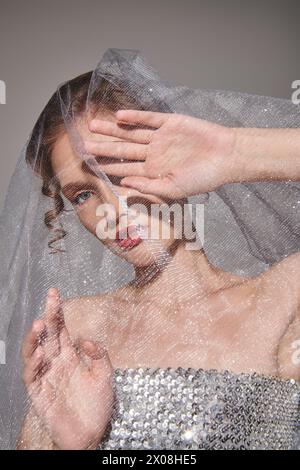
73, 187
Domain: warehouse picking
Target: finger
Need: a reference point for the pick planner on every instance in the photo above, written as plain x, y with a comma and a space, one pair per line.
124, 169
122, 131
33, 366
31, 340
67, 349
149, 118
47, 394
118, 149
52, 314
53, 321
159, 187
100, 363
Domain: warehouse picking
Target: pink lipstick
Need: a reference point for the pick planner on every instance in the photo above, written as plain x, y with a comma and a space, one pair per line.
128, 237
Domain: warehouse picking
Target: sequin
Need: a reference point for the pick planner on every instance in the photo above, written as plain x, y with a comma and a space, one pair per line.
202, 409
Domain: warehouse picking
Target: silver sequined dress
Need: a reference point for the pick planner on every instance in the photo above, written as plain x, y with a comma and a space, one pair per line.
202, 409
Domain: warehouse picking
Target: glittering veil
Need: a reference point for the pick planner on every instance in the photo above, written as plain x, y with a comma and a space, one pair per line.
244, 228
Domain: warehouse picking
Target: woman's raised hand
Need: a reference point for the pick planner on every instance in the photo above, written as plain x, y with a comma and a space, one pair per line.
169, 155
70, 387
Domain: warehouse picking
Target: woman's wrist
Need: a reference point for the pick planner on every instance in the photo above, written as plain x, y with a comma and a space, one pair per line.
262, 154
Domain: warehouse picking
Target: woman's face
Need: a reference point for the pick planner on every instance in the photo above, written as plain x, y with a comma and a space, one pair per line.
138, 236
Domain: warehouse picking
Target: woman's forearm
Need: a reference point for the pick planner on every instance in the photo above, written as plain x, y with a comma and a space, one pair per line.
266, 154
33, 435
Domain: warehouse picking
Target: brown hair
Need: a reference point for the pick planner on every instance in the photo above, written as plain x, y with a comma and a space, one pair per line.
50, 125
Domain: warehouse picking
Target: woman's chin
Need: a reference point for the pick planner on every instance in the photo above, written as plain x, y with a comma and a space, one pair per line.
141, 254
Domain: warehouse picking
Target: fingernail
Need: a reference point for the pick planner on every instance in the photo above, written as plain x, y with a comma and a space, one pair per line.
39, 326
102, 351
52, 292
39, 352
97, 350
93, 124
36, 325
120, 113
85, 144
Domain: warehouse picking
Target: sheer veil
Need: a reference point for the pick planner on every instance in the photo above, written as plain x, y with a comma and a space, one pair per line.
247, 227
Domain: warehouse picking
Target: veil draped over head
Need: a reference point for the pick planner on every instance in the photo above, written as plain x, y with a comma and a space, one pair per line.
247, 226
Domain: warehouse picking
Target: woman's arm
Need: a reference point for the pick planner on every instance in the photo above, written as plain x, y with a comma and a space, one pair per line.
266, 154
33, 435
182, 155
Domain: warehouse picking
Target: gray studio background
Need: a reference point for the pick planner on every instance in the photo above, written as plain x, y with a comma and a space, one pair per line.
250, 46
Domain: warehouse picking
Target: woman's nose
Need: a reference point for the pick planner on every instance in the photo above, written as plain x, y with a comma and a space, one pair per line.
118, 196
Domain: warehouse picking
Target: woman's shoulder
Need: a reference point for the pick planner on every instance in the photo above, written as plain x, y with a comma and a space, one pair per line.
283, 277
290, 264
86, 301
283, 280
86, 317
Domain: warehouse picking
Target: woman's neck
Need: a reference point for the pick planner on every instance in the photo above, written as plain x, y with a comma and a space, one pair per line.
178, 276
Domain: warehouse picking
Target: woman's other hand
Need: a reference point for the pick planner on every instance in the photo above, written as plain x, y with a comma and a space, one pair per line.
70, 387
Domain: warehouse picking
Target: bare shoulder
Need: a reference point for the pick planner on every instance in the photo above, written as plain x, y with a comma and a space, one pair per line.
289, 266
85, 317
289, 350
283, 278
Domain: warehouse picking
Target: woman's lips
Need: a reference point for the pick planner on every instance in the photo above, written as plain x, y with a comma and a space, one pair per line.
126, 241
129, 243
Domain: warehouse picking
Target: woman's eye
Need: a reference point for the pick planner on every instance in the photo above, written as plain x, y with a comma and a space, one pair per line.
82, 197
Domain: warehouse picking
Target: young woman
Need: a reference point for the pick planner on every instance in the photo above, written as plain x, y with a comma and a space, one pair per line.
181, 318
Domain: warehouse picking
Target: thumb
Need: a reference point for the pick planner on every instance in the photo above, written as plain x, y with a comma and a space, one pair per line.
100, 364
93, 349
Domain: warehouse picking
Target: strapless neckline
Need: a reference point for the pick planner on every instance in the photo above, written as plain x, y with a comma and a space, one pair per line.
198, 370
196, 408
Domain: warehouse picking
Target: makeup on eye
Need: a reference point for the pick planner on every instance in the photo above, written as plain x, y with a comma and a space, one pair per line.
82, 197
79, 192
